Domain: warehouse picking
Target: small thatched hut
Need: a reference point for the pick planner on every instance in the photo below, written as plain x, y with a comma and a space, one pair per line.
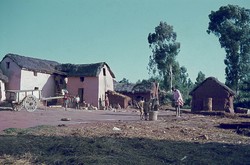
117, 98
145, 89
212, 95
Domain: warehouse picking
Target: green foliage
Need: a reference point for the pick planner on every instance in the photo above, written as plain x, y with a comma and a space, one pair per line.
164, 51
231, 24
163, 64
200, 78
124, 80
243, 98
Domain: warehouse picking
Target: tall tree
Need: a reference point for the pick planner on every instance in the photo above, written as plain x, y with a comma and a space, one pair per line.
164, 51
231, 24
200, 78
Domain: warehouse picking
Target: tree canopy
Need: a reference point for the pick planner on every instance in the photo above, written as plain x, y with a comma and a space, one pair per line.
200, 78
231, 24
164, 51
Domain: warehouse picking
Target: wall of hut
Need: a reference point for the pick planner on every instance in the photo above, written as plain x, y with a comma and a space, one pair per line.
214, 94
117, 98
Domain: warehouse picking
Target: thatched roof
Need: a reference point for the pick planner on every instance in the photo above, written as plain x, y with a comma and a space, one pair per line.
142, 87
216, 81
50, 67
34, 64
85, 70
118, 94
3, 77
123, 87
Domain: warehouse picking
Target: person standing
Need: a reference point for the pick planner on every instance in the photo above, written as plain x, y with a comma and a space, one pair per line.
178, 101
140, 106
77, 100
106, 102
66, 99
146, 108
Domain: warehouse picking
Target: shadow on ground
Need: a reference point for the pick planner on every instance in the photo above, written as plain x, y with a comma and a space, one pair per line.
28, 147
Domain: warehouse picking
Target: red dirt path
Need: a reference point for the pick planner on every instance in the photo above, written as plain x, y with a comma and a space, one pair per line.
53, 116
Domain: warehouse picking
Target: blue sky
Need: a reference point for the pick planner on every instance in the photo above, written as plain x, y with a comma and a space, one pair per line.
112, 31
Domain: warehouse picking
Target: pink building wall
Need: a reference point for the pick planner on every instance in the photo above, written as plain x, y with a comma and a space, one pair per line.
89, 85
13, 73
94, 87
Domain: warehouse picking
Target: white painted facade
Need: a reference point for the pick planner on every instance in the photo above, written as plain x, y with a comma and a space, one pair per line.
2, 89
105, 82
22, 79
34, 80
93, 88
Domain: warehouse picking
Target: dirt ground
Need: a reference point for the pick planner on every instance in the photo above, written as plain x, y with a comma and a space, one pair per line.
107, 137
188, 127
55, 116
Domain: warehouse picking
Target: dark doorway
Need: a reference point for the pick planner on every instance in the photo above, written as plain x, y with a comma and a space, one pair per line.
81, 94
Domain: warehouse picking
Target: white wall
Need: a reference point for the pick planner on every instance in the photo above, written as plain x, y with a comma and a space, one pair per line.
2, 90
105, 83
43, 81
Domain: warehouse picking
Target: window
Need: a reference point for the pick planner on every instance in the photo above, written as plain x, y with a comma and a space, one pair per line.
104, 72
81, 79
7, 65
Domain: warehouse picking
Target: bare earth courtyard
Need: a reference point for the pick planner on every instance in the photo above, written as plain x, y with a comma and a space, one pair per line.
191, 138
189, 126
54, 116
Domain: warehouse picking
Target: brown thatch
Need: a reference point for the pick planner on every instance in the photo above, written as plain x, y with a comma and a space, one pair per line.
123, 87
85, 70
216, 81
51, 67
145, 86
144, 89
34, 64
212, 95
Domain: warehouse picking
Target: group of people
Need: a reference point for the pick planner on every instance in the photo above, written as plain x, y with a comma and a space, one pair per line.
145, 106
152, 105
76, 100
66, 100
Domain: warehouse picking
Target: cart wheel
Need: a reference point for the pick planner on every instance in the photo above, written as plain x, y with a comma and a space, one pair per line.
30, 103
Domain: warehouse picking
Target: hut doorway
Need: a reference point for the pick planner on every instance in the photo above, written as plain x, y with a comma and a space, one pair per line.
81, 93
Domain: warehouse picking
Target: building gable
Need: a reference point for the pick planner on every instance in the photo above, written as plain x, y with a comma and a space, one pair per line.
211, 86
34, 64
83, 70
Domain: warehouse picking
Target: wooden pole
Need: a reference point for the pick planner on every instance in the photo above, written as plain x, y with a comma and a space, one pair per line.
171, 77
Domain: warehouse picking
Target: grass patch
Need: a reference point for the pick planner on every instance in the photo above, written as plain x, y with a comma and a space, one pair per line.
53, 145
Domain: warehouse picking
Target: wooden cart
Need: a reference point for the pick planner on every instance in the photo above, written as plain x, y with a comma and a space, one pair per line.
27, 99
